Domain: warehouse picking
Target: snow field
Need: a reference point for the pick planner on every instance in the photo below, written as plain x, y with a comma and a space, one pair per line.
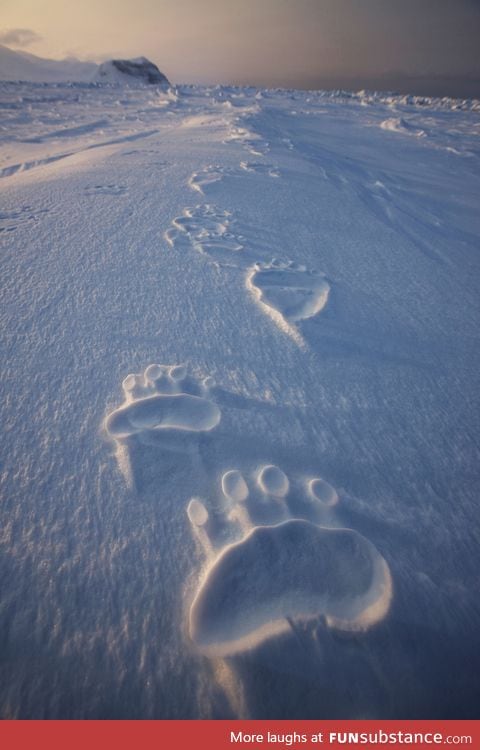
316, 275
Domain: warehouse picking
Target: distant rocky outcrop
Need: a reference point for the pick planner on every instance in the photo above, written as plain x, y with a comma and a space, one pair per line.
139, 70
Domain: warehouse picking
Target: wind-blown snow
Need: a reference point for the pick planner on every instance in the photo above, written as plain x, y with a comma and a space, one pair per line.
240, 455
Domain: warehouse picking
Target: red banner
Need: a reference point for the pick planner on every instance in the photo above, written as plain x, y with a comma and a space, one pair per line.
218, 735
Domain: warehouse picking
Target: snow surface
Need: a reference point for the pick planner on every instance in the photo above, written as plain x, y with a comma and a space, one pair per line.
240, 455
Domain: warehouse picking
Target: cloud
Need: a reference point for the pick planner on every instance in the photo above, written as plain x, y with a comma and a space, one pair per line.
19, 37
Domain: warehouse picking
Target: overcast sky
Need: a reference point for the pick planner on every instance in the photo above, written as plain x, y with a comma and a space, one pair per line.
302, 43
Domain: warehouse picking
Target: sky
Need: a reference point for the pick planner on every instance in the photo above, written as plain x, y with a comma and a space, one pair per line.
292, 43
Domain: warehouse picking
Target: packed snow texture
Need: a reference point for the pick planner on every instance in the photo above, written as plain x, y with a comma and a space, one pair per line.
240, 457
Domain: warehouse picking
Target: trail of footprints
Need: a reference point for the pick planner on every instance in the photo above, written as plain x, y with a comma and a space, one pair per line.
266, 566
273, 552
286, 291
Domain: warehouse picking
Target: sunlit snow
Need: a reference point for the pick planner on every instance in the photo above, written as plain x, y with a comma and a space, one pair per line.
240, 377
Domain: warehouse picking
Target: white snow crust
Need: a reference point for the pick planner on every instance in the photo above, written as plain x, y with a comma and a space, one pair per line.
240, 372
